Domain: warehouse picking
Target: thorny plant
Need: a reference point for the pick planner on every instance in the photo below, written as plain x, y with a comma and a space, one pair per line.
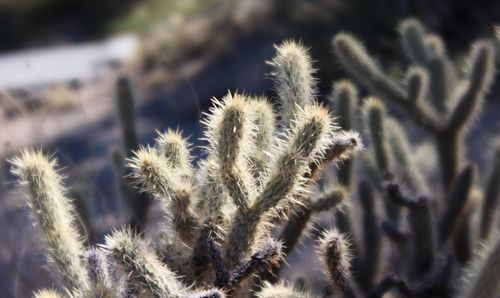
244, 207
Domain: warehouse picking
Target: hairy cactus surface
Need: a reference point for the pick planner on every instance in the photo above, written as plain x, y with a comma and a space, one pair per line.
52, 213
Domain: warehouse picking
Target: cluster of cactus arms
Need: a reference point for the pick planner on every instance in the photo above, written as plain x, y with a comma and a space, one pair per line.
232, 220
433, 229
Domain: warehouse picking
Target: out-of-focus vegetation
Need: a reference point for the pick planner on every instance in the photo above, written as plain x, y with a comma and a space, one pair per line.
146, 14
33, 22
24, 22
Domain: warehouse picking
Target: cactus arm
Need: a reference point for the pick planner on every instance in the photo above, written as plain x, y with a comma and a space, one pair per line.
491, 197
354, 57
53, 214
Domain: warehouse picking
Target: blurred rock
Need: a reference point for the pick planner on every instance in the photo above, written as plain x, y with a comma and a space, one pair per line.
62, 64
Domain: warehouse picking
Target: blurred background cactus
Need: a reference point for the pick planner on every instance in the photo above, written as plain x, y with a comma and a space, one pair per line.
277, 198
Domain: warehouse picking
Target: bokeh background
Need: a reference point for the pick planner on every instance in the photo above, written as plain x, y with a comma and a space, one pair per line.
60, 59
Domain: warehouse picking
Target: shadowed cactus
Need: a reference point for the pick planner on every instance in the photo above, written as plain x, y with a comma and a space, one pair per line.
125, 102
444, 102
491, 196
334, 250
344, 100
458, 105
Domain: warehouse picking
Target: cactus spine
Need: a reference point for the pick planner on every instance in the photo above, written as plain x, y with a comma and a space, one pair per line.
281, 290
47, 293
482, 277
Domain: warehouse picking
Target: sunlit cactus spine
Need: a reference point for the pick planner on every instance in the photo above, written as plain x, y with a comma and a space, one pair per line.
52, 213
141, 263
229, 132
263, 119
334, 250
344, 143
332, 198
175, 149
294, 81
214, 208
281, 290
104, 274
47, 293
482, 275
153, 174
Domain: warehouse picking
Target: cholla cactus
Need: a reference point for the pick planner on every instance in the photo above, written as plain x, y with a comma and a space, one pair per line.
293, 75
263, 170
252, 176
481, 278
52, 213
138, 202
142, 264
306, 142
125, 103
344, 100
334, 250
264, 125
104, 275
444, 102
155, 174
491, 195
458, 102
